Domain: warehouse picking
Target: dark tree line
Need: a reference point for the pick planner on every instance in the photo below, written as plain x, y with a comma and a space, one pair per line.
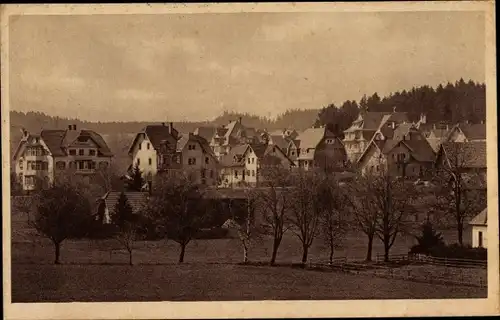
452, 103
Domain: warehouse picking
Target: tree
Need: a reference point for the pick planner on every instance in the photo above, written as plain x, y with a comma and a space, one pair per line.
16, 186
306, 208
428, 239
459, 189
123, 217
333, 221
274, 204
177, 208
246, 227
137, 181
62, 212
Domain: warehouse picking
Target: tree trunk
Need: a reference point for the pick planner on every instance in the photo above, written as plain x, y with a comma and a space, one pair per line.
181, 255
57, 246
370, 246
305, 250
460, 230
386, 248
130, 257
245, 253
331, 253
275, 252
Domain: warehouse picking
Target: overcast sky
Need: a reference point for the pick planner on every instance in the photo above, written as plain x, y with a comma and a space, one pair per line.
192, 67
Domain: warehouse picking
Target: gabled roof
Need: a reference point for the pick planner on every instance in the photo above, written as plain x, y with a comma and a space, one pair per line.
234, 158
156, 134
481, 219
470, 154
206, 132
265, 153
279, 140
184, 138
474, 131
420, 150
136, 200
58, 141
311, 137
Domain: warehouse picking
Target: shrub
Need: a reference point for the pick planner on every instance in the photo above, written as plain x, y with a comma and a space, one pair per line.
457, 251
428, 240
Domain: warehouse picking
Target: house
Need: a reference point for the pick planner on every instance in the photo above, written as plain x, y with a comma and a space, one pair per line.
161, 148
245, 163
233, 134
293, 151
480, 229
320, 148
206, 133
436, 135
464, 157
39, 158
137, 201
282, 138
465, 132
402, 152
358, 135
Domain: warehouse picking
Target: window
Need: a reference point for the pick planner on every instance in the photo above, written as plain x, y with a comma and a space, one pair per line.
21, 165
480, 239
138, 161
211, 173
140, 145
45, 166
236, 173
81, 152
192, 147
248, 173
253, 160
91, 152
147, 145
192, 161
253, 173
103, 164
293, 153
72, 152
150, 161
203, 174
206, 160
248, 160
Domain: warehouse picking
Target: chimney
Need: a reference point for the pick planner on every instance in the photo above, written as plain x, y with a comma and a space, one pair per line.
393, 125
170, 127
239, 120
24, 132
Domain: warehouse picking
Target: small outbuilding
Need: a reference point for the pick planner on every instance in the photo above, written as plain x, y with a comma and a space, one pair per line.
479, 229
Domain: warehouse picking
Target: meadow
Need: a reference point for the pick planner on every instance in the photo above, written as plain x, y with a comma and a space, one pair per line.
97, 270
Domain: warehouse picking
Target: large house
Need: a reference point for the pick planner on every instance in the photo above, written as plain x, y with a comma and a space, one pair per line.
468, 158
244, 163
319, 148
400, 151
161, 148
39, 158
461, 132
358, 135
233, 134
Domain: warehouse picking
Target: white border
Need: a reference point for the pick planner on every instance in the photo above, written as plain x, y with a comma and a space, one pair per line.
258, 309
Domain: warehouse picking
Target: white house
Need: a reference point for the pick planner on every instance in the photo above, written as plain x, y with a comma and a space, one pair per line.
479, 230
38, 158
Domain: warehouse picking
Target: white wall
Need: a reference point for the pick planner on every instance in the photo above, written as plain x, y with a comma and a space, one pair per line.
144, 154
475, 236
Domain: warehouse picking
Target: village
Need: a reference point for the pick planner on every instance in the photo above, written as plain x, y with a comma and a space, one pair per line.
239, 181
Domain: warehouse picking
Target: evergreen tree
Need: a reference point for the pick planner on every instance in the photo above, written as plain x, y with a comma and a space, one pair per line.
137, 181
428, 239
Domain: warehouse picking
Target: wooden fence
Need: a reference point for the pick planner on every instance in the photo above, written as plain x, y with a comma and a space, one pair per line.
448, 262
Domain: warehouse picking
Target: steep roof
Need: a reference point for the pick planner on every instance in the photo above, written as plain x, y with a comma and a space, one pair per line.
475, 131
470, 154
481, 219
58, 140
279, 140
184, 138
234, 157
311, 137
421, 150
136, 200
157, 133
206, 132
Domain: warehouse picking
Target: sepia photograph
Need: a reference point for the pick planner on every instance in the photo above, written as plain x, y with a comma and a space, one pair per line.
341, 153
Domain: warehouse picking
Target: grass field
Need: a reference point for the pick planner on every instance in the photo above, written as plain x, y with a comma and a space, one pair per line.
94, 271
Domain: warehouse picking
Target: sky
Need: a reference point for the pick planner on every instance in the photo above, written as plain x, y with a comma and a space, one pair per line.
174, 67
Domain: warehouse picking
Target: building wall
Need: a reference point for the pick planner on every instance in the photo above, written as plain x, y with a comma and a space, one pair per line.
457, 136
475, 236
231, 176
373, 161
355, 148
251, 167
144, 152
330, 154
202, 166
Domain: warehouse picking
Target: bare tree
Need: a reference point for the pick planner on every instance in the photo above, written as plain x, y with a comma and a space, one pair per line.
334, 218
177, 208
459, 185
126, 221
306, 208
62, 212
274, 204
246, 226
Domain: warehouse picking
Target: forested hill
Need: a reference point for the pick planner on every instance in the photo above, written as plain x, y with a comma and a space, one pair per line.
455, 102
